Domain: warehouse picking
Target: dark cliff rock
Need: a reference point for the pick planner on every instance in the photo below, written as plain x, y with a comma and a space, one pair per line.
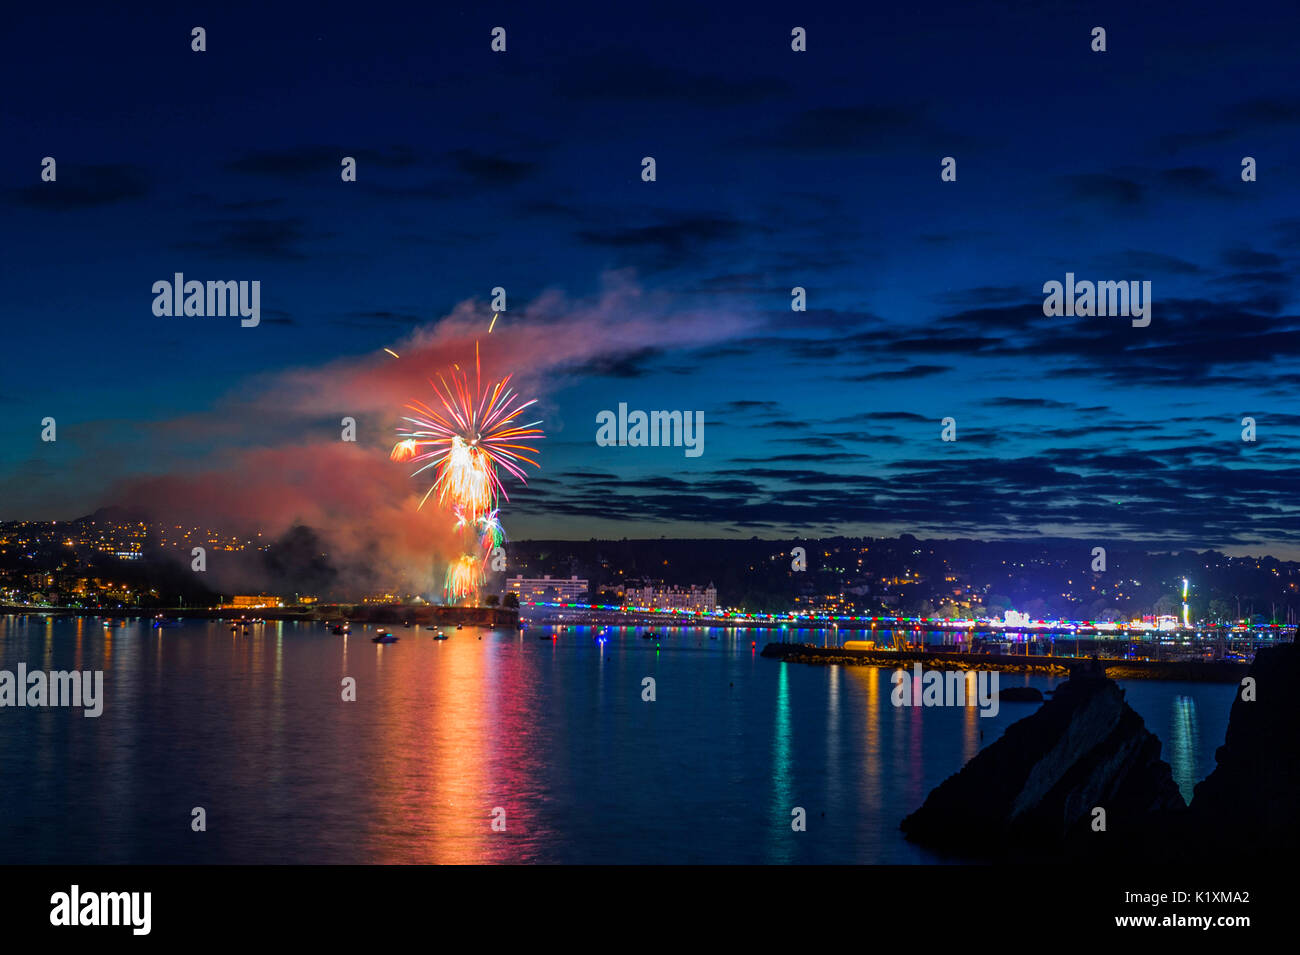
1249, 805
1031, 793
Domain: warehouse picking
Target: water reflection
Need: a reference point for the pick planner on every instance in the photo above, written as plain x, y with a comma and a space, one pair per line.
971, 729
873, 787
1184, 744
782, 785
555, 733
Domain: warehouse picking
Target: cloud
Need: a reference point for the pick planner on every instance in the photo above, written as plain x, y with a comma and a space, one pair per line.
1105, 189
866, 129
1238, 120
1136, 262
1195, 341
1197, 181
627, 74
1176, 142
902, 374
277, 239
1034, 403
1181, 496
982, 295
673, 241
637, 364
492, 170
85, 187
301, 161
1242, 257
1263, 111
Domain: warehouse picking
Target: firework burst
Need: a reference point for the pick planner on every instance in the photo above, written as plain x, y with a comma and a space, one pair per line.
468, 444
491, 534
469, 440
464, 577
404, 450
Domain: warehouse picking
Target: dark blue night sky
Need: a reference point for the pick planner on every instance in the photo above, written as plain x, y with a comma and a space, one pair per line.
775, 169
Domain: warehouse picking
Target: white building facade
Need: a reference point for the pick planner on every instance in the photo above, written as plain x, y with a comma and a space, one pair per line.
548, 588
700, 599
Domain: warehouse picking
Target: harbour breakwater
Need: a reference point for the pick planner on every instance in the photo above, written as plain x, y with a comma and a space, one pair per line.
1192, 671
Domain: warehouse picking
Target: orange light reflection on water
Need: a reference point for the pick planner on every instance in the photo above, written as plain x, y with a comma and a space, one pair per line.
435, 800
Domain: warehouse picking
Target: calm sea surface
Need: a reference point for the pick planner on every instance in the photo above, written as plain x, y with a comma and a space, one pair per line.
442, 733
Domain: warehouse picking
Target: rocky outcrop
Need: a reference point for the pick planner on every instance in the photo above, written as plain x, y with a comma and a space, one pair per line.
1249, 805
1033, 792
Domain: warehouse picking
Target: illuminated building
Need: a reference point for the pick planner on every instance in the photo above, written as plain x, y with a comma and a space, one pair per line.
547, 588
674, 598
250, 602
